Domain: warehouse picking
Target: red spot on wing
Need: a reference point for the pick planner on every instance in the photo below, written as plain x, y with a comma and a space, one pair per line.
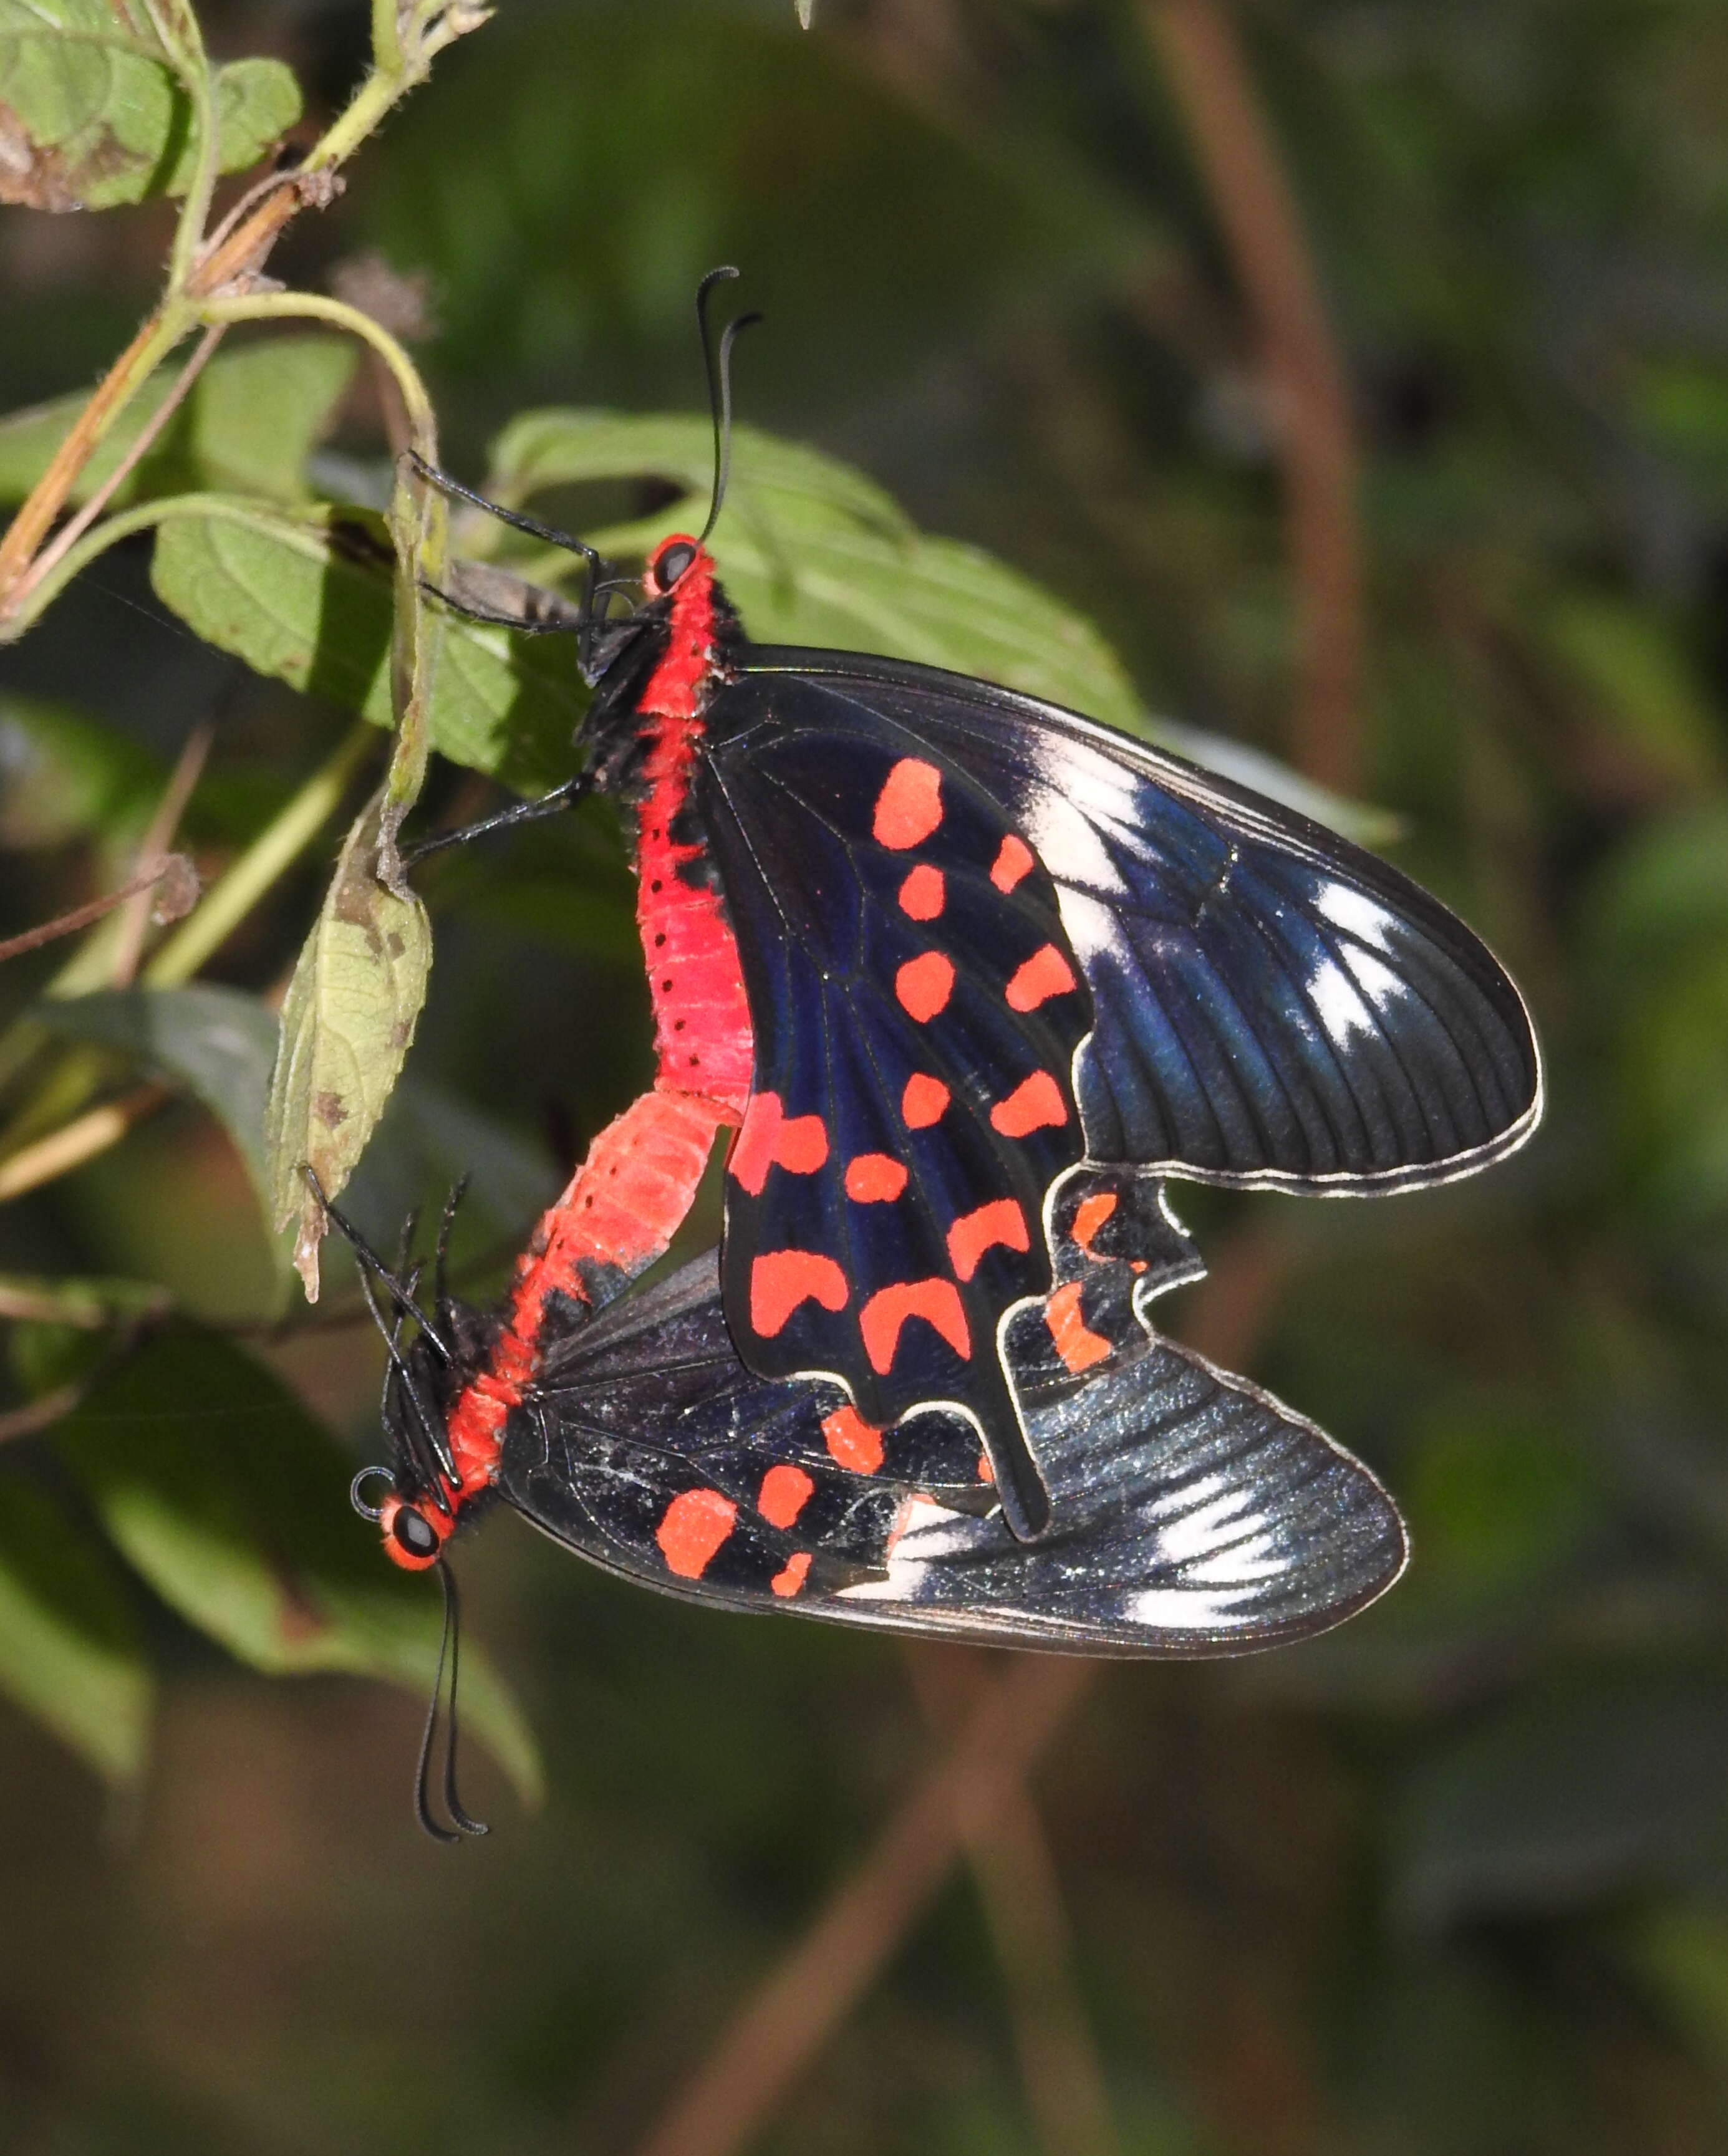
875, 1178
909, 807
1089, 1216
781, 1280
853, 1443
784, 1493
691, 1530
1002, 1221
1036, 1104
769, 1139
924, 894
924, 1102
1014, 862
986, 1473
1045, 975
936, 1301
924, 985
1078, 1347
792, 1578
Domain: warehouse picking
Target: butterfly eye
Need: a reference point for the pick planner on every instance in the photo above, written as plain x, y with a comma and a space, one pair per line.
415, 1533
672, 564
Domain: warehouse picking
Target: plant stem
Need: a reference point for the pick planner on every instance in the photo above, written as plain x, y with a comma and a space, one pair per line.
293, 306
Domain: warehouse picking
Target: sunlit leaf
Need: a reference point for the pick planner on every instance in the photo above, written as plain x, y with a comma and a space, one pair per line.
69, 1647
91, 113
249, 424
216, 1043
232, 1502
307, 599
812, 552
347, 1021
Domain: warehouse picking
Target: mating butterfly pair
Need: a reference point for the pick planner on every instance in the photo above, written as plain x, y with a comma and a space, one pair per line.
967, 974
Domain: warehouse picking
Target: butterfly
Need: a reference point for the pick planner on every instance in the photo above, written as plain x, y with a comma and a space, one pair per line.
934, 949
1193, 1514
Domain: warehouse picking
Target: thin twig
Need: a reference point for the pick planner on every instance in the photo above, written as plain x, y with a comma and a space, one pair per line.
1311, 412
1034, 1941
800, 2005
188, 769
780, 2029
39, 1414
77, 1142
82, 916
74, 527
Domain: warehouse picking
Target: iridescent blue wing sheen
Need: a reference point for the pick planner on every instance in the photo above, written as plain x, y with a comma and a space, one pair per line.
1272, 1004
916, 1012
1195, 1515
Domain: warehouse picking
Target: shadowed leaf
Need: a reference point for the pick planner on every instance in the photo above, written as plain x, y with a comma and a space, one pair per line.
69, 1648
307, 599
232, 1502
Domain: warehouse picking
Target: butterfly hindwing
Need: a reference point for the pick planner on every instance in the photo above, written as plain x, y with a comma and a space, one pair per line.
1272, 1004
1194, 1513
917, 1009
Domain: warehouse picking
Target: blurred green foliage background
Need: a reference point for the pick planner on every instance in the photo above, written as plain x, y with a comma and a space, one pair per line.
1451, 1883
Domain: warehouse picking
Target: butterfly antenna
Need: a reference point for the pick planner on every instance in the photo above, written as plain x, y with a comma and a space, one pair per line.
718, 365
441, 1262
450, 1648
436, 1460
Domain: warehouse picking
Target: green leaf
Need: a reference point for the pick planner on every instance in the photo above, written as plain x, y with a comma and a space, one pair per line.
216, 1043
348, 1022
93, 115
67, 775
814, 553
307, 599
248, 426
231, 1501
69, 1646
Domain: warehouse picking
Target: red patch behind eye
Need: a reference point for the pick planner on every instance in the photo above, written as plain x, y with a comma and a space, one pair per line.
853, 1443
1036, 1104
1077, 1345
768, 1139
909, 807
785, 1492
1045, 975
1002, 1221
924, 894
1014, 863
875, 1178
936, 1301
781, 1280
924, 985
1089, 1216
924, 1102
691, 1530
793, 1578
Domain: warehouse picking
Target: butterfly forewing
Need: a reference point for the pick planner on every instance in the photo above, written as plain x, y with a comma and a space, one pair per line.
1272, 1003
916, 1010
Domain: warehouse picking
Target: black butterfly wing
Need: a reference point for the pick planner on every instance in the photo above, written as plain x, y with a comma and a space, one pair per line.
916, 1010
1272, 1004
1195, 1514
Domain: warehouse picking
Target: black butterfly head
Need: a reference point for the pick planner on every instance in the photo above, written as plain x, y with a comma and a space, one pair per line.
671, 560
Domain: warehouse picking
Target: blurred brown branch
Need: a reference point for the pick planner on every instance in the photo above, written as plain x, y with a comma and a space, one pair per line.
1305, 377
